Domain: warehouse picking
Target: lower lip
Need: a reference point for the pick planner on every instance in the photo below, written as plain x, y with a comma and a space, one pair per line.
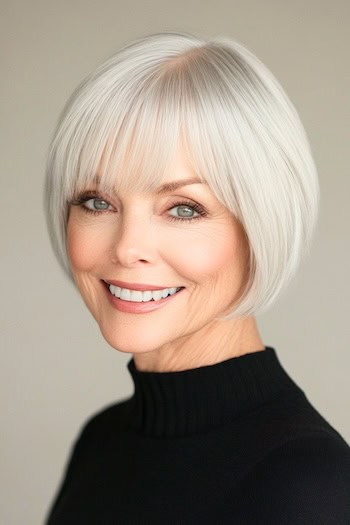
139, 308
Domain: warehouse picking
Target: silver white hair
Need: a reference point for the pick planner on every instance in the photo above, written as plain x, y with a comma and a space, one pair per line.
240, 131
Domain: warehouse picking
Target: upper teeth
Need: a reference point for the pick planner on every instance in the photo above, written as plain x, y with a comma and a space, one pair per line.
138, 296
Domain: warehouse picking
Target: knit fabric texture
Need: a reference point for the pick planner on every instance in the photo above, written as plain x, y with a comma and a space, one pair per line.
237, 443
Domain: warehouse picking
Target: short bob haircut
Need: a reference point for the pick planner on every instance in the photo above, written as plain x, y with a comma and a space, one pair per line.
240, 131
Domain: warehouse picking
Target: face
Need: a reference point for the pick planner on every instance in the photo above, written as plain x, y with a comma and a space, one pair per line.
182, 238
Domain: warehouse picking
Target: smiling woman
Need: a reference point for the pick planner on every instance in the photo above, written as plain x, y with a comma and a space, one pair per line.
236, 127
180, 196
182, 238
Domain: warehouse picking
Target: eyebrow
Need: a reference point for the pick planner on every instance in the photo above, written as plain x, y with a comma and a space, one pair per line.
169, 186
172, 186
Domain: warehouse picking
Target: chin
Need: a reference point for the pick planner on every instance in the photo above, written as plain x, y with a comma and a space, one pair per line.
135, 344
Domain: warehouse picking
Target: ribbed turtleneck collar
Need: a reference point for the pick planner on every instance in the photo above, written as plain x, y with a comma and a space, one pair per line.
191, 401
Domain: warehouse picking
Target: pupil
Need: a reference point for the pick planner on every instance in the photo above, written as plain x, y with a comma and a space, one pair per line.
186, 210
100, 205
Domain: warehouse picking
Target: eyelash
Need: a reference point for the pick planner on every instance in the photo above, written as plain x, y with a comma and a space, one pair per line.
81, 199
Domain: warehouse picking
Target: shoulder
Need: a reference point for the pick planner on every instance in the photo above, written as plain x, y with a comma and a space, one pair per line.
304, 481
103, 424
111, 417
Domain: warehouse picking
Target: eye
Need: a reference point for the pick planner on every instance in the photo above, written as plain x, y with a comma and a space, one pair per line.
92, 203
187, 208
96, 204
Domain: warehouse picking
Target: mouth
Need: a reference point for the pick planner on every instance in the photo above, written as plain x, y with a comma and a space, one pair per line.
138, 296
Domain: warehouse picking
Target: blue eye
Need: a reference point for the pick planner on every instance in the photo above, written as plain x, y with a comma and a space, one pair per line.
92, 203
96, 204
190, 207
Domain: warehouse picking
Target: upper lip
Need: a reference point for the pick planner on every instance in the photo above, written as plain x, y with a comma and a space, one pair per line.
137, 286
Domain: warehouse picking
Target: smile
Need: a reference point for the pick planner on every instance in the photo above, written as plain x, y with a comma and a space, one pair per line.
137, 296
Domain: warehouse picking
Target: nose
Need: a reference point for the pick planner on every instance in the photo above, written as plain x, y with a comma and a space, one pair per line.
134, 241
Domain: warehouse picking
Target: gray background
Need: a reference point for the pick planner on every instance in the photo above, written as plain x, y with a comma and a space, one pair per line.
56, 369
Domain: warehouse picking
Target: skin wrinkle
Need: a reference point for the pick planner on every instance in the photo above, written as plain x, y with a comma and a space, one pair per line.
208, 256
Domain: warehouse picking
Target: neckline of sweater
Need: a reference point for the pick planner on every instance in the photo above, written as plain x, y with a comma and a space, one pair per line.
185, 402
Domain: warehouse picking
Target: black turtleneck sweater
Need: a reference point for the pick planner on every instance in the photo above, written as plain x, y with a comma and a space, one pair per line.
234, 443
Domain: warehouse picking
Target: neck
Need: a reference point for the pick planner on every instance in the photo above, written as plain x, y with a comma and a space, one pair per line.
209, 345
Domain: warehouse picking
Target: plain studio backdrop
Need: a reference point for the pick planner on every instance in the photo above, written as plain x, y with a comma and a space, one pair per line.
56, 368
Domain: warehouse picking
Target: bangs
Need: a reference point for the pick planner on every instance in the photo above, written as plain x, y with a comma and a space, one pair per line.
127, 140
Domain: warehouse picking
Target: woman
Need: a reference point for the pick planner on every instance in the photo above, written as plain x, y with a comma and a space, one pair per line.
181, 194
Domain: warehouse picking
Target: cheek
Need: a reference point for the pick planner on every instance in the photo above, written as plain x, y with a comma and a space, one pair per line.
208, 252
83, 247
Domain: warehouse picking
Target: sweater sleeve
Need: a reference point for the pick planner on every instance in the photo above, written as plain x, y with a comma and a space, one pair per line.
304, 482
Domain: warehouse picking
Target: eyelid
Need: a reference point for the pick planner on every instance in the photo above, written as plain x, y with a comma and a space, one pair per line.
89, 194
179, 201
